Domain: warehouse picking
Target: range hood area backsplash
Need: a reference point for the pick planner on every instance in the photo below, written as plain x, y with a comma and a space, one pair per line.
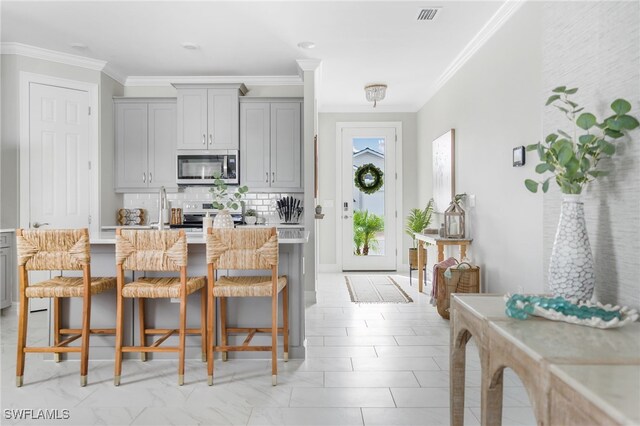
263, 203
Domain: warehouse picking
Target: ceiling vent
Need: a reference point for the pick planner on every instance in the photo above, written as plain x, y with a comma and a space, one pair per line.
429, 14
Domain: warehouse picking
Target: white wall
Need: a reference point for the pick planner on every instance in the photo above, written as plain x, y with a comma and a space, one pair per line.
12, 66
494, 104
327, 161
595, 46
110, 202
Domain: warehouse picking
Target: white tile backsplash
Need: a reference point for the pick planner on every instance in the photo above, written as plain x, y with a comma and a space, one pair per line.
263, 203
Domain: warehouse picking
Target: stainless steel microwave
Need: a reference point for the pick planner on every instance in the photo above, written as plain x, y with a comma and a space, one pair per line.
201, 167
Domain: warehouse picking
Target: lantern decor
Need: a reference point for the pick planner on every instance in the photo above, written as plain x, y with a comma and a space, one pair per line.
454, 221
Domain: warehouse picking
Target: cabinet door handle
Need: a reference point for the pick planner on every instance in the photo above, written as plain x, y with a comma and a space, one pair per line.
144, 178
210, 139
150, 177
204, 139
267, 180
273, 177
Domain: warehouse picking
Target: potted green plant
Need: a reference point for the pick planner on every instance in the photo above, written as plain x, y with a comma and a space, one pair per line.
250, 217
417, 221
572, 158
224, 200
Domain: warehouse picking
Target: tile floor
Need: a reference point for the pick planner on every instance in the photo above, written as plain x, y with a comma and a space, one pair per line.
367, 364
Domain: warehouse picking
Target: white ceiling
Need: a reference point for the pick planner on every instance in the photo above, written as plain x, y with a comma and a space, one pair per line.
359, 42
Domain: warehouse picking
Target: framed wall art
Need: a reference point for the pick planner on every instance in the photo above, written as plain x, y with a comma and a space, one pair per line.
443, 170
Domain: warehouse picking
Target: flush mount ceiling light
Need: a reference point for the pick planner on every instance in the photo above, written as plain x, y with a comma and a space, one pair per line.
190, 46
306, 45
375, 92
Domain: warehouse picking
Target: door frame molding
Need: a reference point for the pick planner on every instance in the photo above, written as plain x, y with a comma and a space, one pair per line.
26, 78
340, 126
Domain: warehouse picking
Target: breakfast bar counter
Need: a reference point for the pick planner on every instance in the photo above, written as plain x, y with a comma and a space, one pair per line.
163, 313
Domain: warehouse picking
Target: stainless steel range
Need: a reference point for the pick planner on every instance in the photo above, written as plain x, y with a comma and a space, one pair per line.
194, 212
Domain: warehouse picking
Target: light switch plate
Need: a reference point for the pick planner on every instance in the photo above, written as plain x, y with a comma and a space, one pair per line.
472, 200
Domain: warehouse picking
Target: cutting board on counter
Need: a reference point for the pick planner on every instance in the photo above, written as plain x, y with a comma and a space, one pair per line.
131, 216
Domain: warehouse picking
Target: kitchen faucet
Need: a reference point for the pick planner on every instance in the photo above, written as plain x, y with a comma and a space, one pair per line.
162, 205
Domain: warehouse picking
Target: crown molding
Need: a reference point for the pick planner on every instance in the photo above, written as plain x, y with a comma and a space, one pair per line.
114, 74
11, 48
268, 80
368, 109
502, 15
308, 64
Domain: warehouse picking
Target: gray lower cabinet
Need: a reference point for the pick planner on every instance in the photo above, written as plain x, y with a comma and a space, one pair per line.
145, 134
270, 144
7, 268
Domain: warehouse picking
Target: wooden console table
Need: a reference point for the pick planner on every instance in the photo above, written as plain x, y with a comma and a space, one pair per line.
574, 375
440, 242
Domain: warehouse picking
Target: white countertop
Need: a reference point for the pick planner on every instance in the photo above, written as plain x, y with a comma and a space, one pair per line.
285, 236
8, 230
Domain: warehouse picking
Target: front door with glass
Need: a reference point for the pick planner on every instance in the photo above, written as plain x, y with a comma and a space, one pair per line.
368, 208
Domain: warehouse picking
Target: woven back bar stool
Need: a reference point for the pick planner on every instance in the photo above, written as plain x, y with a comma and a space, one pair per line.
58, 250
245, 249
159, 251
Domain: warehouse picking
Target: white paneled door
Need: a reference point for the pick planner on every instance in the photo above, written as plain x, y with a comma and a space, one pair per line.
58, 161
369, 217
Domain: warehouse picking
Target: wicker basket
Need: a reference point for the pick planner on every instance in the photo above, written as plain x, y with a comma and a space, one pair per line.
463, 280
413, 257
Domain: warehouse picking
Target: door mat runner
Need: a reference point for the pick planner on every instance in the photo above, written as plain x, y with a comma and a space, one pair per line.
375, 289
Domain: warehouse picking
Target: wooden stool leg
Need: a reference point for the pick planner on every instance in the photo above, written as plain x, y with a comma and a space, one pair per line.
183, 326
56, 326
463, 251
223, 326
274, 331
143, 327
23, 319
203, 322
86, 333
285, 321
440, 252
211, 331
119, 326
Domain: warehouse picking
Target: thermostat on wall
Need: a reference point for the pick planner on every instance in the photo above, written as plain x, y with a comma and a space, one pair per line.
518, 156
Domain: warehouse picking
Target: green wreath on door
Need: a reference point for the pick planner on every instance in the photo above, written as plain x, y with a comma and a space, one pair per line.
362, 175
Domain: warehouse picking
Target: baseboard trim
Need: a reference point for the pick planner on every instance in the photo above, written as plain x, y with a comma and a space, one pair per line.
329, 267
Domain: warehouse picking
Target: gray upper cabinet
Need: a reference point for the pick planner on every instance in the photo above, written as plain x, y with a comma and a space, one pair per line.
255, 135
208, 116
145, 143
286, 158
270, 144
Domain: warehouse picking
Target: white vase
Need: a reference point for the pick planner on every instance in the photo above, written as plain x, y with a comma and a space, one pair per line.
250, 220
571, 271
223, 219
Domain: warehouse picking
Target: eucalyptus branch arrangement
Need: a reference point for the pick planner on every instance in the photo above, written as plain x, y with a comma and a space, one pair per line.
573, 160
223, 199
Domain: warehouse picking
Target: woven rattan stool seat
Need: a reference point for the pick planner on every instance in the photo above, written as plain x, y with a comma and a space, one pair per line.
69, 287
252, 286
161, 287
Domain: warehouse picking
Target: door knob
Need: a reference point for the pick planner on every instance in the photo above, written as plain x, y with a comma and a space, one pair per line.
38, 224
346, 216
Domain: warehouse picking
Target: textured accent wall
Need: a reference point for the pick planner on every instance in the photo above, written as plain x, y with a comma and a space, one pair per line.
595, 46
